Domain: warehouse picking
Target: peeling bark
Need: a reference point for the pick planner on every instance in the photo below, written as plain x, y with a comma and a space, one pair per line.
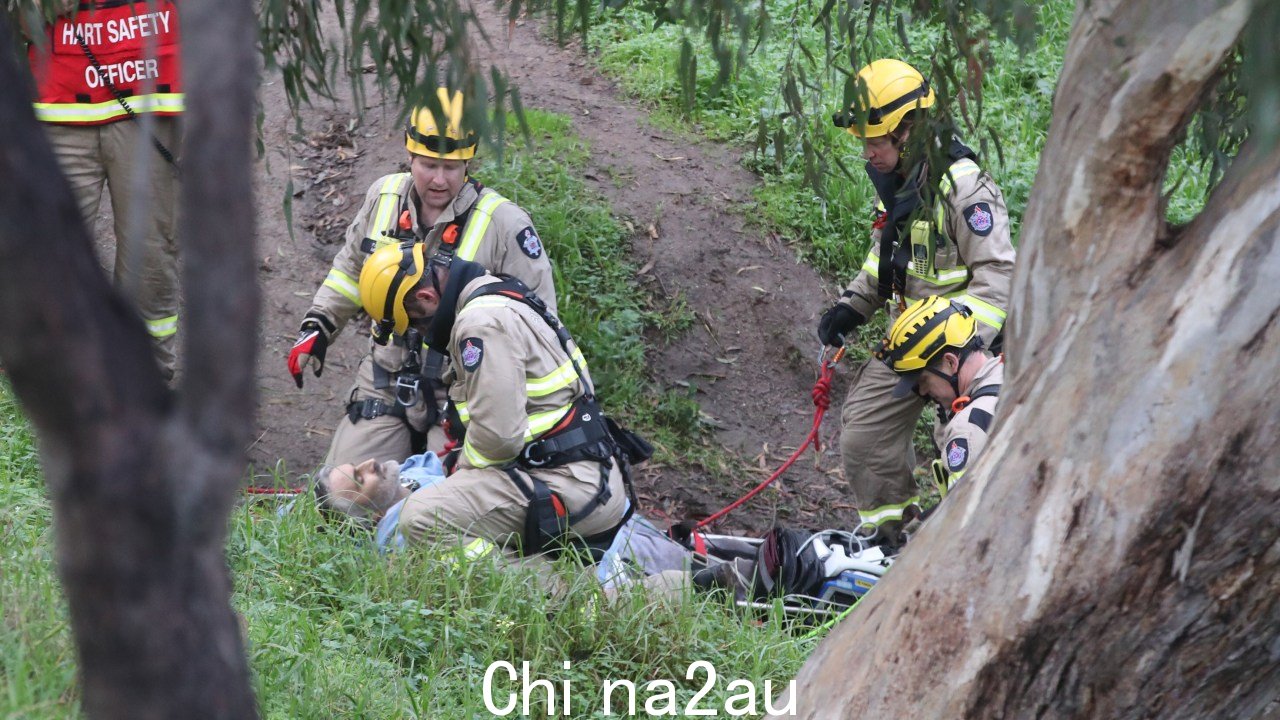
142, 480
1114, 553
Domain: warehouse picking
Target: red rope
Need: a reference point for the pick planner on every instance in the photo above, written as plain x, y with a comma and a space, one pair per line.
822, 400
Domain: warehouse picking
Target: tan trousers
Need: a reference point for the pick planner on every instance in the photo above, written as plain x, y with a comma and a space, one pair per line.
486, 503
144, 200
382, 438
875, 442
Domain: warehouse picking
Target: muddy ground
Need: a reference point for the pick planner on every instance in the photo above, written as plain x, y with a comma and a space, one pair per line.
751, 351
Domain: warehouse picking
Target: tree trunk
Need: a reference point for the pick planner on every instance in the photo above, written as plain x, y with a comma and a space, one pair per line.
1114, 554
142, 480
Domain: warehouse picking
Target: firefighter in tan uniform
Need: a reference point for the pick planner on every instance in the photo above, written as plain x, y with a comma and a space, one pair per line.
537, 460
393, 403
940, 233
935, 350
99, 68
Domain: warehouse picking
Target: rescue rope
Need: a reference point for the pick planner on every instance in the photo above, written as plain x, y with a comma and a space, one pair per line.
822, 401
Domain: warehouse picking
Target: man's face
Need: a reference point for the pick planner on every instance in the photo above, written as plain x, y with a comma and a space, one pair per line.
938, 389
363, 490
437, 181
881, 152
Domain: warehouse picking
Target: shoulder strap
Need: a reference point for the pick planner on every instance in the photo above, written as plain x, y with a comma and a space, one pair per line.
513, 288
899, 202
963, 401
985, 391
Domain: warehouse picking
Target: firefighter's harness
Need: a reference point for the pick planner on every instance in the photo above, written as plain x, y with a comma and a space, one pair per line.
584, 433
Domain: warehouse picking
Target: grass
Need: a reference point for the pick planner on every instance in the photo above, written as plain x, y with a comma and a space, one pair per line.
336, 630
37, 672
427, 629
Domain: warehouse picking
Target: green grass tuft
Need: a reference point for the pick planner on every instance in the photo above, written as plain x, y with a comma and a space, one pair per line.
37, 668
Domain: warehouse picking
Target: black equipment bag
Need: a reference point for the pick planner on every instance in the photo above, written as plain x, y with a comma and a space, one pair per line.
783, 569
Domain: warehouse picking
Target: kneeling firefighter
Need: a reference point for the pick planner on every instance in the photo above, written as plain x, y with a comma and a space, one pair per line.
538, 463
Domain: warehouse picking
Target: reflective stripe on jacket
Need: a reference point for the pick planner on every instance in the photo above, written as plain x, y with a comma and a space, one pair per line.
510, 380
949, 257
137, 52
491, 237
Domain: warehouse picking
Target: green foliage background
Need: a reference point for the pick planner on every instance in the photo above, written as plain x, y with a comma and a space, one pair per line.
830, 220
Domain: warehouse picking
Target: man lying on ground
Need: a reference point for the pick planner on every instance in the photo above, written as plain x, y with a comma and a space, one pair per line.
793, 564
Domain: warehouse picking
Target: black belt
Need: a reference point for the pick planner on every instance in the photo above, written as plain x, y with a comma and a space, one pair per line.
371, 408
586, 438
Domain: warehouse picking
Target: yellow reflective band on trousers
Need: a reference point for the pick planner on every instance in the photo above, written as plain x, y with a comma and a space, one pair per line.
343, 284
163, 327
477, 224
109, 109
887, 513
984, 311
470, 552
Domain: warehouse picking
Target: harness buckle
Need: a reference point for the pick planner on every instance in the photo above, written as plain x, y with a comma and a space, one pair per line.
527, 455
899, 300
407, 389
366, 409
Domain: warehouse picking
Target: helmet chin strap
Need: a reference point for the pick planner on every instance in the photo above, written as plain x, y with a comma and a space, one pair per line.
954, 380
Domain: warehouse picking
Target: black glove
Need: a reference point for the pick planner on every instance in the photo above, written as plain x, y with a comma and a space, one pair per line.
313, 341
838, 321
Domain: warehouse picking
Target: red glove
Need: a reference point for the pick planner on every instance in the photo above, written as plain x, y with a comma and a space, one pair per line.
313, 341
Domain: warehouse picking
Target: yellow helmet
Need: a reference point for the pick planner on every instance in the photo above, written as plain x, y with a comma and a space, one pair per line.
424, 136
890, 89
387, 276
921, 333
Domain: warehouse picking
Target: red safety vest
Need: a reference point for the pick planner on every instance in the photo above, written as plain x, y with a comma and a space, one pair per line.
136, 46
